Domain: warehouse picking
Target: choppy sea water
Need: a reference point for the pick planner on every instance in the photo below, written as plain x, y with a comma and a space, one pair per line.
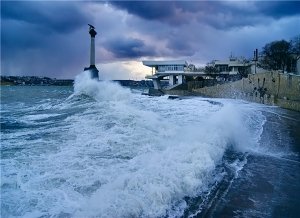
101, 150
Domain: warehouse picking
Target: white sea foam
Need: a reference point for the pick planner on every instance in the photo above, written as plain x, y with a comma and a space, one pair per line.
101, 91
126, 155
37, 117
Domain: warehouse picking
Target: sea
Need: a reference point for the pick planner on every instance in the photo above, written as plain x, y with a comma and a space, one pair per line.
101, 150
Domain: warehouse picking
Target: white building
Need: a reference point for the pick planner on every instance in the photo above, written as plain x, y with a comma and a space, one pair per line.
232, 67
175, 70
166, 66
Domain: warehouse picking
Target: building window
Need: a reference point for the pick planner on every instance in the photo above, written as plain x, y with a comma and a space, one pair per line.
223, 68
164, 68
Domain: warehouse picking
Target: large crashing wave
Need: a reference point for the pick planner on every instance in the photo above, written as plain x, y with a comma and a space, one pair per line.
159, 161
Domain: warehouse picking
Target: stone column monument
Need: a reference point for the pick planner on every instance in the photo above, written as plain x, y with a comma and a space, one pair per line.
92, 68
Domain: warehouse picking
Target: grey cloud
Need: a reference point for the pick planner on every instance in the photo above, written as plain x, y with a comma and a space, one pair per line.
152, 10
60, 17
31, 25
123, 47
58, 56
278, 9
181, 46
42, 37
218, 14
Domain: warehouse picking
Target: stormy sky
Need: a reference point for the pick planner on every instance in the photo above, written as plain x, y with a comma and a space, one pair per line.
50, 38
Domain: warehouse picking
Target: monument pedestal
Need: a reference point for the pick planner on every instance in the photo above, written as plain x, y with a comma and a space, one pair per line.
93, 71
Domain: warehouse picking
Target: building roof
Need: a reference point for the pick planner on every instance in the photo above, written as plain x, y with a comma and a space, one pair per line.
229, 63
163, 63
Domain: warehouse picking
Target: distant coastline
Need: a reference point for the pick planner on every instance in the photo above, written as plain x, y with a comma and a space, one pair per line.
34, 81
46, 81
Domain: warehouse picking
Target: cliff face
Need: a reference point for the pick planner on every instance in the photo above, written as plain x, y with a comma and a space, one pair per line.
270, 88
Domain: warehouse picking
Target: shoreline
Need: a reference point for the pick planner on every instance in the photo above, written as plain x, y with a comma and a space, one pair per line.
271, 88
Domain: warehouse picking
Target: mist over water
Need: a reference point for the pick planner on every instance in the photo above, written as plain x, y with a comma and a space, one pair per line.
107, 151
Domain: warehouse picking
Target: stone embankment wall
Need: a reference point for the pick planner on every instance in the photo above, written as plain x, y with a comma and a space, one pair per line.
270, 88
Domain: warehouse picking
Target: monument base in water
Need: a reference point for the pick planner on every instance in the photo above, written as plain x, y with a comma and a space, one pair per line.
93, 71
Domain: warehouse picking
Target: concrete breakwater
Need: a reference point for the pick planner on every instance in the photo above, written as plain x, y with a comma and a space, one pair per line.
271, 88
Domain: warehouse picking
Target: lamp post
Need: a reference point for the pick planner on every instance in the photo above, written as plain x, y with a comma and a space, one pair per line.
255, 58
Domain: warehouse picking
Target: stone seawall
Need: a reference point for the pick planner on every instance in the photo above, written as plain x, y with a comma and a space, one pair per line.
270, 88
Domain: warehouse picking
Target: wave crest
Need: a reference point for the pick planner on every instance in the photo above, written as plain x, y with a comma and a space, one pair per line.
99, 90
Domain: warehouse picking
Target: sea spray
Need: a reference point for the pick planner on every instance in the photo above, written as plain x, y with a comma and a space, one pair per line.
99, 90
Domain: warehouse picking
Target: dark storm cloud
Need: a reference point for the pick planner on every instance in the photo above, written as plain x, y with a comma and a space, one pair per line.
30, 25
278, 9
181, 12
26, 24
163, 11
37, 37
123, 47
61, 17
152, 10
17, 35
218, 14
180, 46
210, 29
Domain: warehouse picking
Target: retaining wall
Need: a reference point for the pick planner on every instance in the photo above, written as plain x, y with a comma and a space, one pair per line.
270, 88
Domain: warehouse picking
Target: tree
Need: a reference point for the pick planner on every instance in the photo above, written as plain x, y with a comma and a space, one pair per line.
295, 45
276, 55
210, 69
295, 52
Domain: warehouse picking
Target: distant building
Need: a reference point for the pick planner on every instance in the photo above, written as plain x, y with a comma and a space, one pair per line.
174, 70
232, 66
166, 66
